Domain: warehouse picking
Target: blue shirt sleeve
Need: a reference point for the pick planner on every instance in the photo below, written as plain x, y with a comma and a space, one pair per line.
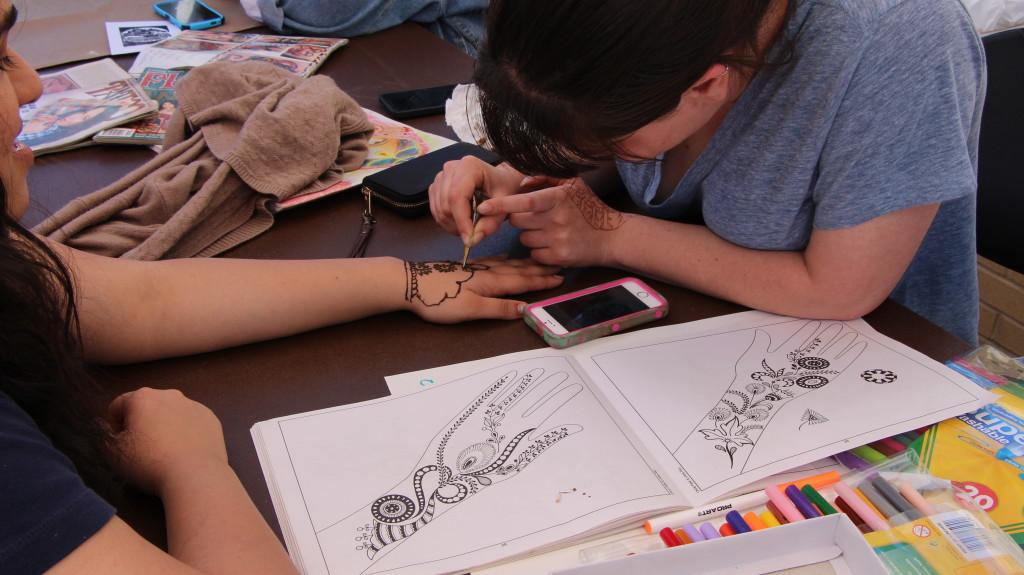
46, 511
906, 131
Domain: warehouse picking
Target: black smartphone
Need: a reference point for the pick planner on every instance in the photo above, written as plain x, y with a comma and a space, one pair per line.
414, 103
403, 187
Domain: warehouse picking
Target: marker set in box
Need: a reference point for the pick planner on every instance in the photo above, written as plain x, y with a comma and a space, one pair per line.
915, 523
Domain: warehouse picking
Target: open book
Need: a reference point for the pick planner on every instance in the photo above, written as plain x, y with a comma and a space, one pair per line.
79, 102
192, 48
507, 456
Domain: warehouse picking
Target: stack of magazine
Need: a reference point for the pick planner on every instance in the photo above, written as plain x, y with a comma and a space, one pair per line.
193, 48
78, 102
100, 102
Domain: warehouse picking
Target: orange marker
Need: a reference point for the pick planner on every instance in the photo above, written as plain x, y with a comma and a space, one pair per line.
683, 536
754, 521
726, 530
815, 481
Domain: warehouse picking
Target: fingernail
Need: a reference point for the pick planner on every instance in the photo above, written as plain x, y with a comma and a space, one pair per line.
485, 208
521, 308
465, 240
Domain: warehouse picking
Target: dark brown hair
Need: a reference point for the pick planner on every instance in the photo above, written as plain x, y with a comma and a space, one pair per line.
41, 365
562, 81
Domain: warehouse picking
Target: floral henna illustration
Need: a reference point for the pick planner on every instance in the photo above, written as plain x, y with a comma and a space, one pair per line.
767, 378
596, 213
461, 461
433, 283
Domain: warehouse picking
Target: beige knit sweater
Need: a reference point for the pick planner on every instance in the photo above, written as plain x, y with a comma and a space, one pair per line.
246, 135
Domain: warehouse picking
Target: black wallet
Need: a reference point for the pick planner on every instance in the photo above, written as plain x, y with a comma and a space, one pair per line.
404, 187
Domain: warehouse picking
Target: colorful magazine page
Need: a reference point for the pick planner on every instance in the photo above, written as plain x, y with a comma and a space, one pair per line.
159, 85
193, 48
392, 143
79, 102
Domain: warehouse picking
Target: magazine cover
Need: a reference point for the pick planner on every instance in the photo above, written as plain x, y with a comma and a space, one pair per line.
391, 143
193, 48
159, 86
79, 102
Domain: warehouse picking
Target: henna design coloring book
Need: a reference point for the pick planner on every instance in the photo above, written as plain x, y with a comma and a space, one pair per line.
506, 456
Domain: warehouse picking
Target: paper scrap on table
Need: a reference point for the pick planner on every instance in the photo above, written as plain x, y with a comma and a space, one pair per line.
132, 37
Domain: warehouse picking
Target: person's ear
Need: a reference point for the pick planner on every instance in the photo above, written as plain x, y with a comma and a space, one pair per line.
713, 83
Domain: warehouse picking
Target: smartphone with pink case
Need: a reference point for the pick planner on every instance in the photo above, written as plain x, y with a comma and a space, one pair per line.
594, 312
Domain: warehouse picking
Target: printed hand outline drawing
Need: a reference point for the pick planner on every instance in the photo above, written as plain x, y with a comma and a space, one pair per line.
764, 380
495, 437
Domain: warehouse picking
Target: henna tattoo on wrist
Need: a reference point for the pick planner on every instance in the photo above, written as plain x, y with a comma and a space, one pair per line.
415, 272
595, 212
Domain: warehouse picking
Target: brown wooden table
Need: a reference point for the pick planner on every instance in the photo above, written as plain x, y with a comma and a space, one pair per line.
347, 363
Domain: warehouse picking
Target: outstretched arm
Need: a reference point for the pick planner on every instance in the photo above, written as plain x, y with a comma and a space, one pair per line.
136, 311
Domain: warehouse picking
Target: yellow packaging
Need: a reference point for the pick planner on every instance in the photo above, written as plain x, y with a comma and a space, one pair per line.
951, 543
963, 449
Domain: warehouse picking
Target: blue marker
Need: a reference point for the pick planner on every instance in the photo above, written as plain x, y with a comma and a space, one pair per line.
735, 520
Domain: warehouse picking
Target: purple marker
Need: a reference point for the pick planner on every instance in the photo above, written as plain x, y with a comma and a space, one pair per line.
851, 461
709, 532
803, 504
692, 533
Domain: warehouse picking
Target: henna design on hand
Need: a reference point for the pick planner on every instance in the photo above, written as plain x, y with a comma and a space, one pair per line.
596, 213
431, 293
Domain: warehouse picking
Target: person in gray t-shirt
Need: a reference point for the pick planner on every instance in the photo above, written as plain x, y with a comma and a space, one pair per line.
808, 158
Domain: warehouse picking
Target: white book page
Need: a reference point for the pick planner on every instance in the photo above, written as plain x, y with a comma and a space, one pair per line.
493, 463
721, 403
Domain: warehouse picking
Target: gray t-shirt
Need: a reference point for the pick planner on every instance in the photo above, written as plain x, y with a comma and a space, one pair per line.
877, 110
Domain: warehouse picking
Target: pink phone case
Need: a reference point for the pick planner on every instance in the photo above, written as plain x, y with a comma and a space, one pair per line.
597, 330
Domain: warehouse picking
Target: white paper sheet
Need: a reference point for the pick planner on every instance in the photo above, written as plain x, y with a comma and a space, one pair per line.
132, 37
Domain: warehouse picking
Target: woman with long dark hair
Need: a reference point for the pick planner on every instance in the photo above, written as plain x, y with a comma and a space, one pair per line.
803, 157
61, 453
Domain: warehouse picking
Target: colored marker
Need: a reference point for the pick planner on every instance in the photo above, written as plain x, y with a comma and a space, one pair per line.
851, 461
803, 504
818, 481
915, 498
726, 530
868, 502
669, 537
852, 515
873, 520
693, 533
783, 504
884, 448
769, 519
682, 536
754, 521
893, 496
887, 509
776, 513
709, 532
735, 520
905, 439
869, 454
709, 511
818, 501
891, 444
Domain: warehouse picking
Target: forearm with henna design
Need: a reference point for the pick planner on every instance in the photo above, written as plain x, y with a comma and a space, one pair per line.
595, 212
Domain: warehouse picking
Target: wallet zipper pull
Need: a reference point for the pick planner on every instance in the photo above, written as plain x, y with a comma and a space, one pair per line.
366, 228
